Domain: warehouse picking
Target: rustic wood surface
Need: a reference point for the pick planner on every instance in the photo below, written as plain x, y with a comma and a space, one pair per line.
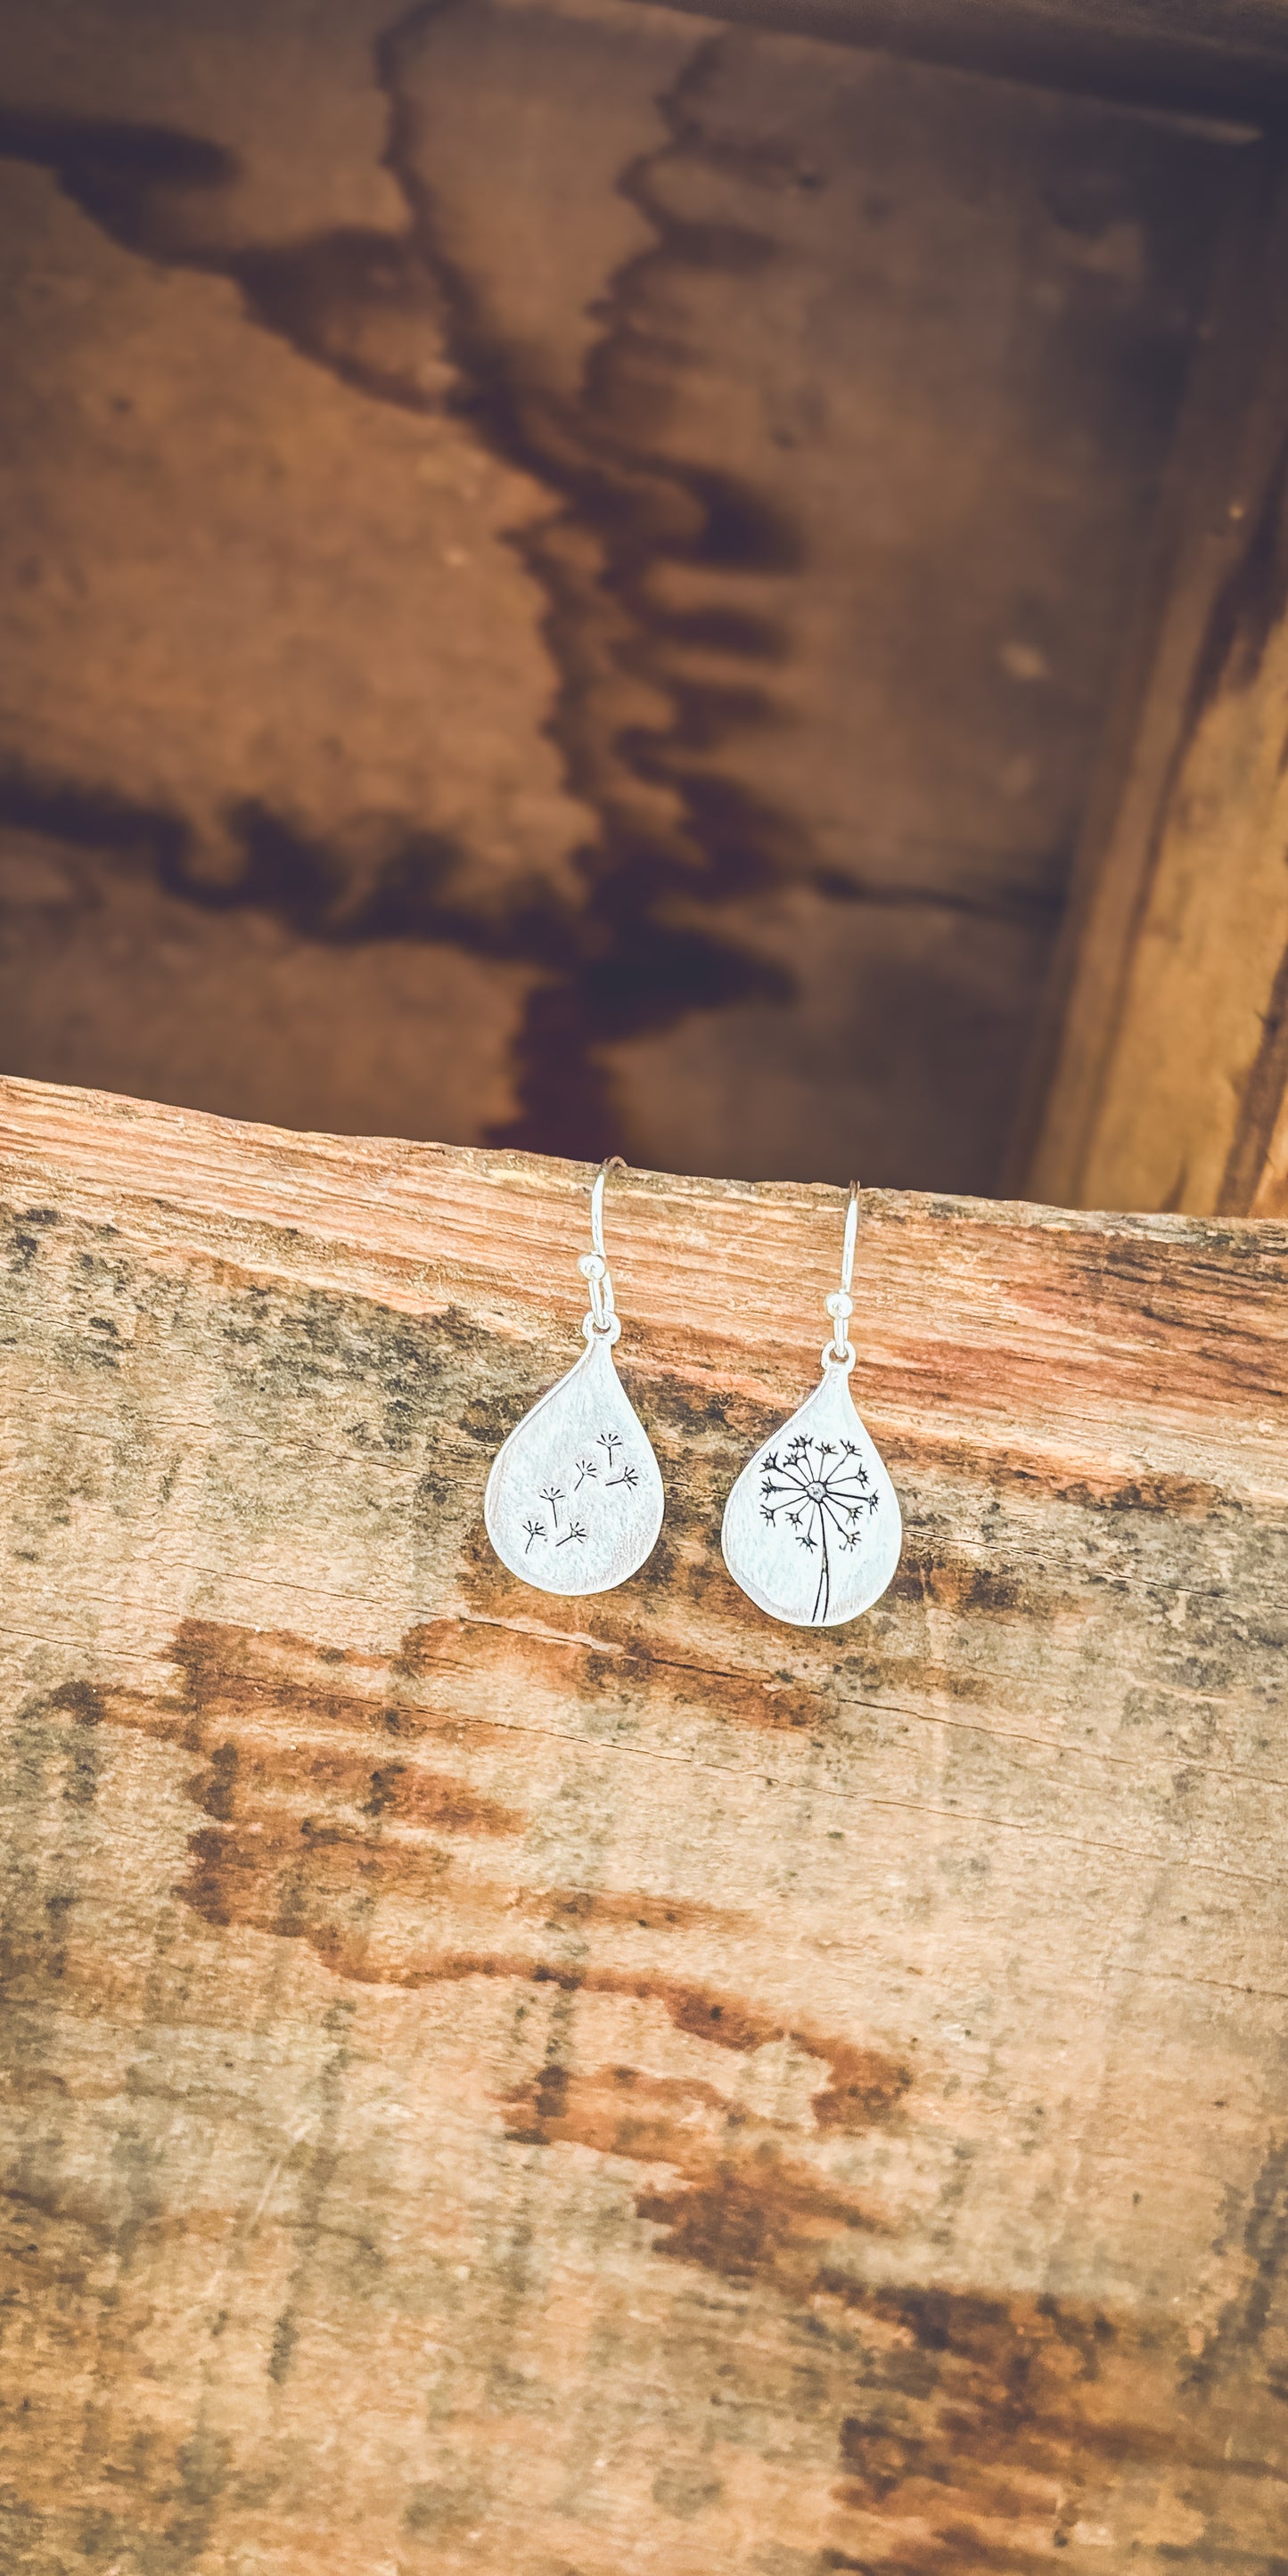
561, 2089
1167, 1085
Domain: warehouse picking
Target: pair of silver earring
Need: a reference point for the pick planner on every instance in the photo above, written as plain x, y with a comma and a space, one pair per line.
812, 1528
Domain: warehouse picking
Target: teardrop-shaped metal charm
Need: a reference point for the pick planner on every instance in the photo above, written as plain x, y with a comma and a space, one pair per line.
574, 1501
812, 1529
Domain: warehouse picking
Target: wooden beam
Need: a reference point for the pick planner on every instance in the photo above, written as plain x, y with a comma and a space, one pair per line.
1201, 57
508, 2085
1164, 1072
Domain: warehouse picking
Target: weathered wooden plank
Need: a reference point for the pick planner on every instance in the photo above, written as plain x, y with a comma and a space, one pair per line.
511, 2085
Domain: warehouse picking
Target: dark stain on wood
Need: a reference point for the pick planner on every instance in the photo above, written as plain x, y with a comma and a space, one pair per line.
740, 2207
800, 2303
1248, 608
680, 837
973, 2430
361, 303
642, 510
1263, 1097
266, 1862
356, 301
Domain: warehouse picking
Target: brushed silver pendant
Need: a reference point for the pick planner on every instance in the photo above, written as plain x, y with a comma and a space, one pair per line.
574, 1501
812, 1530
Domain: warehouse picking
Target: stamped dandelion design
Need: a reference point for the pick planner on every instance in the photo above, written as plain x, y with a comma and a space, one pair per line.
823, 1493
574, 1499
812, 1530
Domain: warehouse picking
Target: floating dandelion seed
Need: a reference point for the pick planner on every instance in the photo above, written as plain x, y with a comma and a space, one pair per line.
573, 1532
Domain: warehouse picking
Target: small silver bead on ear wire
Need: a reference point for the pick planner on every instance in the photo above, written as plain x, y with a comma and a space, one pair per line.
593, 1265
839, 1352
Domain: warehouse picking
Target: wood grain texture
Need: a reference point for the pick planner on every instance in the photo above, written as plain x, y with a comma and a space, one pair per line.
1168, 1026
563, 565
561, 2089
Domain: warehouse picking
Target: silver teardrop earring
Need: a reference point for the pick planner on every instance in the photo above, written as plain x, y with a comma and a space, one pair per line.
812, 1529
574, 1501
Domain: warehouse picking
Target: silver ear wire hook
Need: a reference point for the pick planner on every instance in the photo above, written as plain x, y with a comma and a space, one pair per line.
840, 1305
593, 1266
615, 1163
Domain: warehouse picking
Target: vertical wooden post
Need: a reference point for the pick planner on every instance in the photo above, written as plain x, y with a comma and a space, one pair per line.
1166, 1053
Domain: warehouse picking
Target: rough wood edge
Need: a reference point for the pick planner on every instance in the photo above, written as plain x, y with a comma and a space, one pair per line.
1127, 1356
305, 1176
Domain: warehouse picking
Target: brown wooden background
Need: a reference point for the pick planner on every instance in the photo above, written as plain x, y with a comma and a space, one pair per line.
570, 565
